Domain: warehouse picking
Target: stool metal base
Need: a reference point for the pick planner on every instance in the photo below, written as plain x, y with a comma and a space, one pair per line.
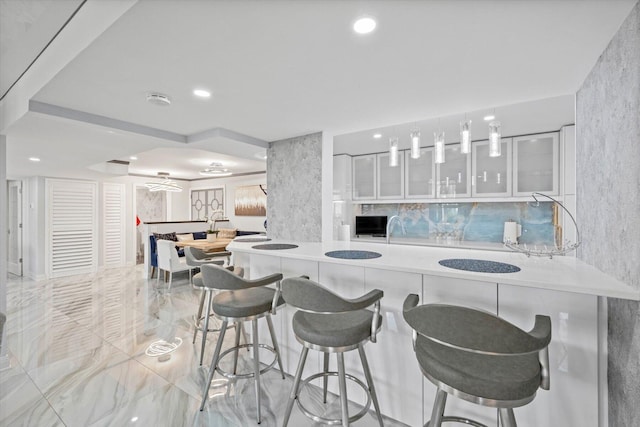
507, 418
345, 419
333, 421
235, 350
256, 356
458, 420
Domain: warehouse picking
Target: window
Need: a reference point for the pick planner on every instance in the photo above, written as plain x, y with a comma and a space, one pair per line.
205, 202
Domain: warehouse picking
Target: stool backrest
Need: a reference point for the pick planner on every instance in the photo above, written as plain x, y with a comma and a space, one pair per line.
216, 277
196, 257
308, 295
477, 331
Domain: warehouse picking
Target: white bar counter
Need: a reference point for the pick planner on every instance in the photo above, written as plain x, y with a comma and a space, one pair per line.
571, 292
563, 273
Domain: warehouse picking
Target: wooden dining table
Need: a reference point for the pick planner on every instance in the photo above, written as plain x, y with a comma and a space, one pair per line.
217, 245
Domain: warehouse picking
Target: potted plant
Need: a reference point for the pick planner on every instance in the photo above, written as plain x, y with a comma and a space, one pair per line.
212, 233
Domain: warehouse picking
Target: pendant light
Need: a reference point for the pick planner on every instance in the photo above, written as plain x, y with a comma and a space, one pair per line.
215, 169
495, 143
393, 151
465, 136
415, 144
438, 143
165, 185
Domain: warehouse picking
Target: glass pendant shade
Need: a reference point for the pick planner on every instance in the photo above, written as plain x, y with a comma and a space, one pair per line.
438, 143
415, 144
495, 143
465, 137
393, 151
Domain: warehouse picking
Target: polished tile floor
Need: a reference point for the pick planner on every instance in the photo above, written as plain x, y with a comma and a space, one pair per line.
77, 358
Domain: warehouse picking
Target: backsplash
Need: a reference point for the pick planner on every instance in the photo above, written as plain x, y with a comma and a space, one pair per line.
474, 222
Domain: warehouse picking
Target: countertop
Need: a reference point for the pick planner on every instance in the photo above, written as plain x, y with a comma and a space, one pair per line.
562, 273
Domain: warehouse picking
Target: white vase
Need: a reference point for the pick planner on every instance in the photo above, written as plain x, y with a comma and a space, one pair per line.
211, 237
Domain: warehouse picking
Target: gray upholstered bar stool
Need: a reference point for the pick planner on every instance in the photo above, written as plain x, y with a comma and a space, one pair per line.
478, 357
240, 301
197, 258
328, 323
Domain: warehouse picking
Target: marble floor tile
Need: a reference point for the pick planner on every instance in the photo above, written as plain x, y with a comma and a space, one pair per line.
78, 359
82, 399
21, 403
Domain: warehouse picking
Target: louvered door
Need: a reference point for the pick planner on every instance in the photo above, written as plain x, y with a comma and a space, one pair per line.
113, 225
71, 233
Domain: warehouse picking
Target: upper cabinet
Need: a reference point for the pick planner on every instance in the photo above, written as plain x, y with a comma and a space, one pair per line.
453, 178
536, 164
390, 179
364, 177
420, 175
527, 164
491, 176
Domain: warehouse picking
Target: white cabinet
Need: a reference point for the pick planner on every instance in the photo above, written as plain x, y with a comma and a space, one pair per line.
536, 164
573, 354
342, 177
453, 177
390, 179
420, 175
392, 361
491, 176
364, 177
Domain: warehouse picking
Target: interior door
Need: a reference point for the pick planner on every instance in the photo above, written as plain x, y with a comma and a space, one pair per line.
14, 227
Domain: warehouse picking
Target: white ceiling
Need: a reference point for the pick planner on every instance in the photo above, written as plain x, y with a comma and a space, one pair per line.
279, 69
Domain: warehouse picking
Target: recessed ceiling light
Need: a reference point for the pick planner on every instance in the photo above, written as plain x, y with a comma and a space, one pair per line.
377, 135
34, 159
364, 25
133, 158
489, 117
202, 93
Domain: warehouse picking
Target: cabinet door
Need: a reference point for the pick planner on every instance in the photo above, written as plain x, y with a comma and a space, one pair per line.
573, 354
491, 176
535, 163
454, 177
392, 360
390, 179
364, 177
420, 175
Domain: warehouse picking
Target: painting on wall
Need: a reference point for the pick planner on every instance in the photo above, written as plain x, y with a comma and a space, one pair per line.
251, 200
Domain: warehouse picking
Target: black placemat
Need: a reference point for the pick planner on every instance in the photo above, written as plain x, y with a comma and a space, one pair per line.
275, 246
479, 265
353, 254
253, 240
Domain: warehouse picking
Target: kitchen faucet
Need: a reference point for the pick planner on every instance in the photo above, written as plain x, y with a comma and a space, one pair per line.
390, 223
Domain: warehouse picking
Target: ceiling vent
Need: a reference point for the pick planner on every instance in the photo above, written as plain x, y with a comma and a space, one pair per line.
158, 99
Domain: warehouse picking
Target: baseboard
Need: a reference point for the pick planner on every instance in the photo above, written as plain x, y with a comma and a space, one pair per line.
36, 277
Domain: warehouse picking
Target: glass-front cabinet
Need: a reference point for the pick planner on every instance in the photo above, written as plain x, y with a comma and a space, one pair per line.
420, 175
491, 176
536, 164
364, 177
453, 178
390, 179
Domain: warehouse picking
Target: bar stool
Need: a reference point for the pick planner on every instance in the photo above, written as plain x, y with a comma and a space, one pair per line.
328, 323
197, 258
240, 301
478, 357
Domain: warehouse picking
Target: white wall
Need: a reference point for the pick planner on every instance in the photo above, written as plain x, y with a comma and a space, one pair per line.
246, 223
3, 238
